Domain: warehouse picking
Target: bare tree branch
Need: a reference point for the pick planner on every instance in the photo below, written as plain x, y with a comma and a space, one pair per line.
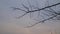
53, 12
37, 9
30, 8
18, 9
46, 7
25, 7
42, 21
22, 15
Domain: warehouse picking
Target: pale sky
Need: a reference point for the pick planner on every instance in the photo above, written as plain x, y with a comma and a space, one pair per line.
9, 23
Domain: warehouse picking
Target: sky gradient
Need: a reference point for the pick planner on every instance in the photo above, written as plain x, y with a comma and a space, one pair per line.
9, 23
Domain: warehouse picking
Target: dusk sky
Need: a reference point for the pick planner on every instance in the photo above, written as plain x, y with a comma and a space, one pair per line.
10, 24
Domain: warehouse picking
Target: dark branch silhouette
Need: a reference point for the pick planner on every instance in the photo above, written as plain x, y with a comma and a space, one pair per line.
37, 9
42, 21
51, 11
18, 9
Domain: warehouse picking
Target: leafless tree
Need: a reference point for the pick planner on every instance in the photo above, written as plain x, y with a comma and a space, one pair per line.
51, 13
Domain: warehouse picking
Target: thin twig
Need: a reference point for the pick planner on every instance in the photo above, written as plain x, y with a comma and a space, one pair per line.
38, 9
42, 21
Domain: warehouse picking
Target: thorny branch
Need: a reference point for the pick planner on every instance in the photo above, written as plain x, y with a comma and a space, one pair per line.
53, 12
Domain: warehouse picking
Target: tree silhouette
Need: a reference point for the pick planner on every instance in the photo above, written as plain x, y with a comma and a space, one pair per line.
51, 13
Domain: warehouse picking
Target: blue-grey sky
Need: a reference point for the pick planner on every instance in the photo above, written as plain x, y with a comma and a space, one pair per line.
8, 16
